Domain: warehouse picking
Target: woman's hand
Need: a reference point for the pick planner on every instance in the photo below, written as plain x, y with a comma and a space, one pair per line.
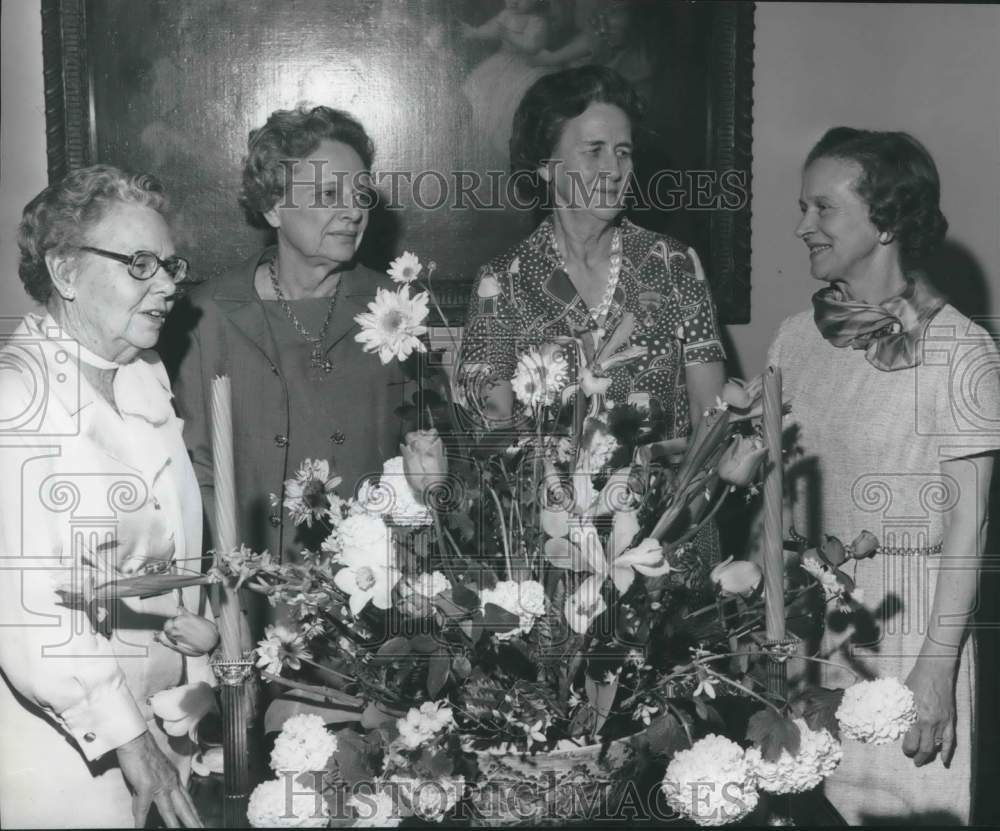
933, 684
189, 634
153, 779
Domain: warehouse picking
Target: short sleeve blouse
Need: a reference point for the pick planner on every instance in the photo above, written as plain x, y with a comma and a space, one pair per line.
524, 297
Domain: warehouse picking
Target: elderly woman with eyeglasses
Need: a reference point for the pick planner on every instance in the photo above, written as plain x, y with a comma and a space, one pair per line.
96, 485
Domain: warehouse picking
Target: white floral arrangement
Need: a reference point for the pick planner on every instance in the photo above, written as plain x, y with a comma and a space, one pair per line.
304, 744
877, 712
713, 782
393, 498
274, 805
818, 756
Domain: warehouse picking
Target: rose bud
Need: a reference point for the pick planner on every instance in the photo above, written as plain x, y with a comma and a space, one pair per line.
741, 460
864, 545
189, 634
424, 462
833, 551
736, 577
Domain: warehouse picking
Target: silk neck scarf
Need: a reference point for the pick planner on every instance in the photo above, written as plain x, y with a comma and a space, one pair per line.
889, 332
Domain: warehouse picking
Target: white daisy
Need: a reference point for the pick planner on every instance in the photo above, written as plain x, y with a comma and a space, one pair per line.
394, 324
540, 377
405, 268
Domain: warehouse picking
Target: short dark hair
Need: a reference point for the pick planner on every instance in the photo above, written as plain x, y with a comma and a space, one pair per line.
59, 218
898, 180
552, 101
293, 134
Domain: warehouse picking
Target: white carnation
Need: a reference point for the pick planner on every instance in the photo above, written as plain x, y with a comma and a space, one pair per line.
526, 600
363, 538
375, 810
430, 799
877, 712
277, 804
304, 744
713, 783
818, 756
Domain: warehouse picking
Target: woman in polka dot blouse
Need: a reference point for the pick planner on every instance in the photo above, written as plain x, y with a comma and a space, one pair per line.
587, 269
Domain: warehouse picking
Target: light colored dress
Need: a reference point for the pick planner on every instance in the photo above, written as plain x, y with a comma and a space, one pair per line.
866, 456
81, 483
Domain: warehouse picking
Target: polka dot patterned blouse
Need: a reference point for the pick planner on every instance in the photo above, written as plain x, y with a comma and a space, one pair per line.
524, 297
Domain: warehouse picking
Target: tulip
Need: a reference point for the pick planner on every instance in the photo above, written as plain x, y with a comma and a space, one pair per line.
189, 634
740, 462
864, 545
424, 462
181, 708
736, 578
592, 385
741, 395
646, 558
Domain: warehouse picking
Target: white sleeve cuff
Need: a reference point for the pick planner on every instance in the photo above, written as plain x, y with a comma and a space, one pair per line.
105, 720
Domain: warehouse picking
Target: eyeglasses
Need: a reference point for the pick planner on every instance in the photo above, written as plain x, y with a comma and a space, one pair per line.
142, 265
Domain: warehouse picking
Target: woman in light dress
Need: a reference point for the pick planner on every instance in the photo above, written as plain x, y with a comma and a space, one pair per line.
895, 399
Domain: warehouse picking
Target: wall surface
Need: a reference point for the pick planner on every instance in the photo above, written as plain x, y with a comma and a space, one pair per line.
22, 139
932, 70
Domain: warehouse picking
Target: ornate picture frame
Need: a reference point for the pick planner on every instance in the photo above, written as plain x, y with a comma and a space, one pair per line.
173, 88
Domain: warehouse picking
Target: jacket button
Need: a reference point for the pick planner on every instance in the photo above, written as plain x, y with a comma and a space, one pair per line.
337, 437
275, 520
89, 737
281, 440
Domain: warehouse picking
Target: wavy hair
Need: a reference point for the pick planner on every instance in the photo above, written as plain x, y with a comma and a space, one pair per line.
292, 134
899, 182
552, 101
60, 217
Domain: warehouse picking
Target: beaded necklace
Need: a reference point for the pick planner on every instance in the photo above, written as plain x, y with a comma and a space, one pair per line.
316, 359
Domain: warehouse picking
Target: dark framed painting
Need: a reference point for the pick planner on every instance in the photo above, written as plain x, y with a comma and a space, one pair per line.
173, 87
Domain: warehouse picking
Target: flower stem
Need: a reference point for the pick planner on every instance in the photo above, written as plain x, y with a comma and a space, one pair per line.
503, 532
739, 686
328, 693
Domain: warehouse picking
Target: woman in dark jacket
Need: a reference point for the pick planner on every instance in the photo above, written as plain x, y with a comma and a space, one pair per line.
281, 326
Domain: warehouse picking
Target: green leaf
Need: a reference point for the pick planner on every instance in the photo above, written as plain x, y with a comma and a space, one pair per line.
465, 597
298, 702
773, 733
148, 585
601, 697
665, 735
352, 762
497, 619
818, 706
375, 715
424, 644
394, 649
438, 672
